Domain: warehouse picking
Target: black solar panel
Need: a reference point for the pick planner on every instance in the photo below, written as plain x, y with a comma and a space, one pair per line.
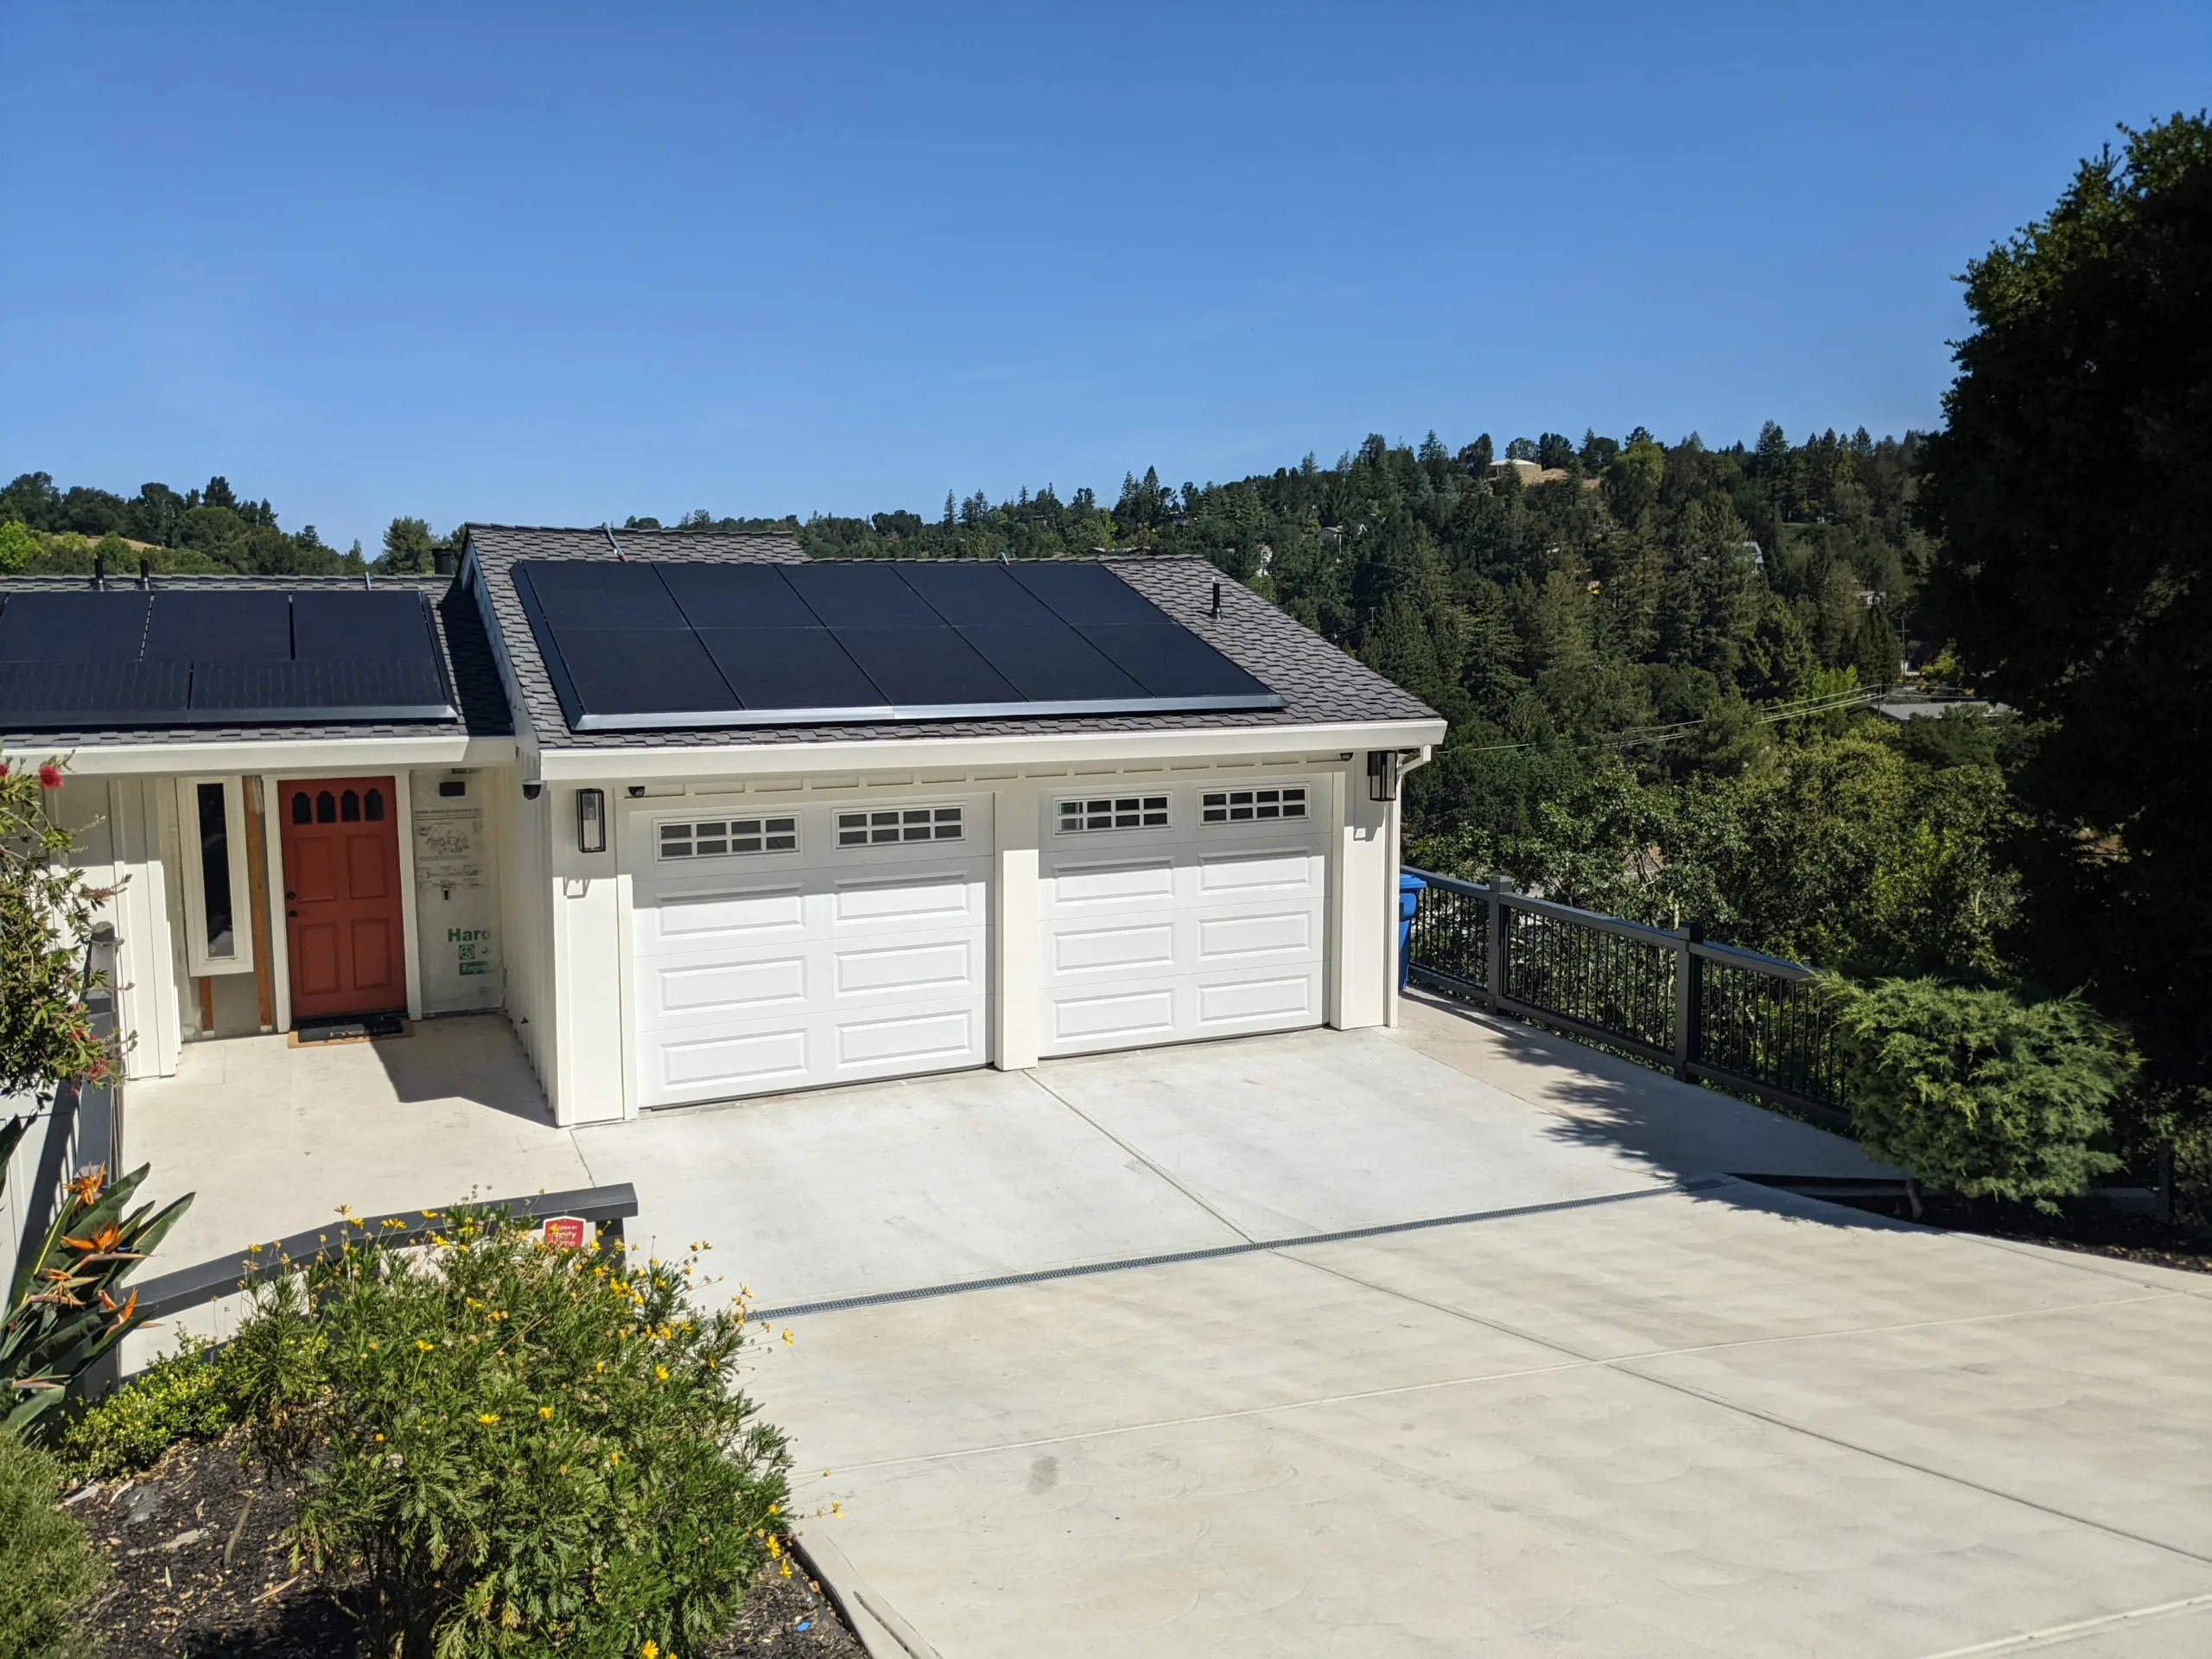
209, 625
1172, 662
731, 646
90, 660
923, 667
793, 667
966, 593
1089, 595
355, 688
1051, 663
865, 594
355, 622
88, 696
85, 627
736, 596
643, 672
610, 595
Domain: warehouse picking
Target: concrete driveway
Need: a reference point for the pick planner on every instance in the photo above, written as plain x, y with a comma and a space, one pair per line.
1455, 1340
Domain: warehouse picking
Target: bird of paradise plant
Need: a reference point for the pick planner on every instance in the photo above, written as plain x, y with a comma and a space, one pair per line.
62, 1311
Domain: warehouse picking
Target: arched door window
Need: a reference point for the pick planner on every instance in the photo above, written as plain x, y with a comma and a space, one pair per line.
372, 806
326, 807
303, 811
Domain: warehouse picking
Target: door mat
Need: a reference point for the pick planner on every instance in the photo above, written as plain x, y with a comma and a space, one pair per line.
367, 1028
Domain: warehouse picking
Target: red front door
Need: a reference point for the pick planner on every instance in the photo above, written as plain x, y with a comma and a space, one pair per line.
341, 897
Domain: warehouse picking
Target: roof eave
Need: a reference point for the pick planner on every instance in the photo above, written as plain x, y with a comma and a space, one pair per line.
646, 764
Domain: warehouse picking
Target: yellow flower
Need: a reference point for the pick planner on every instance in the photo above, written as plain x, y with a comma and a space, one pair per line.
788, 1343
651, 1650
487, 1418
775, 1509
422, 1347
785, 1570
661, 1371
545, 1411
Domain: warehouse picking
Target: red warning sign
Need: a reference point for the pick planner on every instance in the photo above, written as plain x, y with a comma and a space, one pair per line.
566, 1232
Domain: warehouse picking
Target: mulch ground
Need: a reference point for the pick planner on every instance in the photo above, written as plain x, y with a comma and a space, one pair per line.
2091, 1226
203, 1568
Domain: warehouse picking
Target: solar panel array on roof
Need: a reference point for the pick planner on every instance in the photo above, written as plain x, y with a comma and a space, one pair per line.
85, 659
639, 647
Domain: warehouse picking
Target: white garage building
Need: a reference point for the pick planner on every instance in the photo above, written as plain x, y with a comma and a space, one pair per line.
775, 845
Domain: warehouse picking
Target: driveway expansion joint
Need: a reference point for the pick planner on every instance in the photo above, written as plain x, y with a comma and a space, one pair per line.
1210, 1253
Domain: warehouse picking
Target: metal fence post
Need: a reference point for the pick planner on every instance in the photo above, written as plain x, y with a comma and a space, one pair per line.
1501, 886
1689, 1002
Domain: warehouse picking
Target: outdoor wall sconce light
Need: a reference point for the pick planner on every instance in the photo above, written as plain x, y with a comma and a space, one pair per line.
591, 820
1383, 774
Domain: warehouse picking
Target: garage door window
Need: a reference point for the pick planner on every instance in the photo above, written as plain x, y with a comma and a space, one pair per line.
1117, 812
724, 837
1248, 805
902, 823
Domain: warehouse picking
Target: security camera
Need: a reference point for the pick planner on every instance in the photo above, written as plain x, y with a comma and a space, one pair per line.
532, 788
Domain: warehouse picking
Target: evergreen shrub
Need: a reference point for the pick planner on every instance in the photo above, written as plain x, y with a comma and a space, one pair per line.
191, 1395
523, 1449
1976, 1093
48, 1569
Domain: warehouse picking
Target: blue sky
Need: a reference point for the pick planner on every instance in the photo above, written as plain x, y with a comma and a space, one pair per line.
553, 265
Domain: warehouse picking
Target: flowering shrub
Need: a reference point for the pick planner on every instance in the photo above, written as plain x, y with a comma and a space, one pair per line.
46, 913
68, 1306
526, 1449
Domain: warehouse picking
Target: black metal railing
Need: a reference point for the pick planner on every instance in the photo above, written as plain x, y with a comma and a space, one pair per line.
1707, 1012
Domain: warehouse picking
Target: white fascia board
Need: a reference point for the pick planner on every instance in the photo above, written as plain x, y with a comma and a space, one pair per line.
334, 755
1018, 749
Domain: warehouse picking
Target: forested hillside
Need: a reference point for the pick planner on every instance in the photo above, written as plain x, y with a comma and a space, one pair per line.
44, 528
1655, 661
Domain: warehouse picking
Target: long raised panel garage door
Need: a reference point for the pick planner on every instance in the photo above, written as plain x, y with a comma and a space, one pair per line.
1181, 912
776, 948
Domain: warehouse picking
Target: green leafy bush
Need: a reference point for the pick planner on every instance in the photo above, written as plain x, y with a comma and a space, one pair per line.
191, 1395
48, 1569
524, 1449
1978, 1093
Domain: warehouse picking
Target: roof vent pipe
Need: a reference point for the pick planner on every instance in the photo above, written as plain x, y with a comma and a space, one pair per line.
1216, 600
442, 561
99, 571
145, 571
607, 530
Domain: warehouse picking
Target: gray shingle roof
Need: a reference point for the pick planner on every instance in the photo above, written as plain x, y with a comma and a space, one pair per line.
1319, 684
469, 667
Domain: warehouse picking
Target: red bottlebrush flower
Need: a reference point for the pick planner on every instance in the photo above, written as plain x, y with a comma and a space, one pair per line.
49, 776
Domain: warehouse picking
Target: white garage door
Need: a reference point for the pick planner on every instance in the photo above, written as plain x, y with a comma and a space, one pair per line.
778, 948
1182, 912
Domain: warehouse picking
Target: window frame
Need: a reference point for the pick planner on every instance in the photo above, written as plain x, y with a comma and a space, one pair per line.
1303, 815
695, 859
1112, 799
199, 964
905, 811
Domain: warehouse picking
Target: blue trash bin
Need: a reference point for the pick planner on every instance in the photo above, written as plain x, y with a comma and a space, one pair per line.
1409, 889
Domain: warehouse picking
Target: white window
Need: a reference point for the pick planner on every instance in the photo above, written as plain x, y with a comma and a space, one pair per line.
725, 837
1247, 805
1115, 813
218, 909
885, 826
